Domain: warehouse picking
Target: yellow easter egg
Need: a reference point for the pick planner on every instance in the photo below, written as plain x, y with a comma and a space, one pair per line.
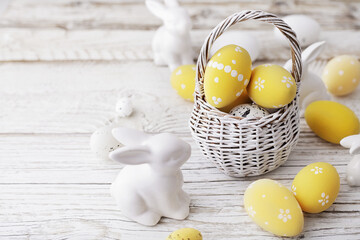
183, 81
226, 76
244, 98
185, 233
331, 121
271, 86
316, 187
341, 75
274, 208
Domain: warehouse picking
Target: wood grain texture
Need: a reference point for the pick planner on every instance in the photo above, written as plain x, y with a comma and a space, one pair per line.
63, 66
53, 187
113, 45
112, 14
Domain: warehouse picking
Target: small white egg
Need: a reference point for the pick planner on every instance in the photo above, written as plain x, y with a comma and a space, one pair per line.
306, 28
240, 38
249, 111
124, 107
102, 142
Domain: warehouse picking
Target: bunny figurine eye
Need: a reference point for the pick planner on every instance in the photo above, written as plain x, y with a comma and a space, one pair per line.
150, 186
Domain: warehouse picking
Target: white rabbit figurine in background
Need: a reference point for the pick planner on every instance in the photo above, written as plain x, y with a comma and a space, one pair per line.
312, 87
353, 168
150, 186
172, 43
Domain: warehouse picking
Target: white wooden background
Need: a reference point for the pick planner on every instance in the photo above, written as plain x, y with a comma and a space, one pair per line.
65, 63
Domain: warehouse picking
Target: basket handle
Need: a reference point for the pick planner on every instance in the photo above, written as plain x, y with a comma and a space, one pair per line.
240, 17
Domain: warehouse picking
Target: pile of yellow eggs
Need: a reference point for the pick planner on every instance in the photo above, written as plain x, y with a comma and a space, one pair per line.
330, 120
230, 84
278, 210
230, 81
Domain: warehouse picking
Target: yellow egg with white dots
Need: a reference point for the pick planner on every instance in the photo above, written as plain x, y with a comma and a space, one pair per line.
316, 187
183, 81
274, 208
341, 75
185, 234
271, 86
226, 76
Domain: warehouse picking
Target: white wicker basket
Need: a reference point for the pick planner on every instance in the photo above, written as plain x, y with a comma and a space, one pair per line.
238, 146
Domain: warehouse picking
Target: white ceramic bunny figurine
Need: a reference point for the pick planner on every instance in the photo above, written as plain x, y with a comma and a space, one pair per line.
150, 186
353, 168
312, 87
171, 43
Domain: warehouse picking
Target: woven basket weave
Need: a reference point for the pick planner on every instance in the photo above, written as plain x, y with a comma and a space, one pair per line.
239, 146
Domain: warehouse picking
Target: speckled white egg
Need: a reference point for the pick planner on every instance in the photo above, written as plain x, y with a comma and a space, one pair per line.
249, 111
306, 28
341, 75
240, 38
102, 142
124, 107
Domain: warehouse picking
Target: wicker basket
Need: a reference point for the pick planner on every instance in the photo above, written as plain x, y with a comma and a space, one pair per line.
238, 146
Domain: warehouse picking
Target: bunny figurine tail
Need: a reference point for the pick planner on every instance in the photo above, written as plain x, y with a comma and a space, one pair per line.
150, 185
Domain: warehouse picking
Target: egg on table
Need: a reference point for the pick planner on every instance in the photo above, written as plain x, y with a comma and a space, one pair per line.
341, 75
124, 107
316, 187
249, 111
240, 38
102, 142
306, 28
271, 86
331, 121
274, 208
185, 234
183, 81
226, 76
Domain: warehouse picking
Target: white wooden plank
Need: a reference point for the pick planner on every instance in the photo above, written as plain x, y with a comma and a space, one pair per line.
130, 45
74, 14
80, 211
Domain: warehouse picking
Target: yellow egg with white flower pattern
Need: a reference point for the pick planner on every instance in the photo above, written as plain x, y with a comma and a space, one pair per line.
316, 187
226, 76
183, 81
274, 208
271, 86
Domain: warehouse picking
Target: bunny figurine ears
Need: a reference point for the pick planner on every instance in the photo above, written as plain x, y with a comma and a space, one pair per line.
150, 185
312, 87
171, 44
353, 168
